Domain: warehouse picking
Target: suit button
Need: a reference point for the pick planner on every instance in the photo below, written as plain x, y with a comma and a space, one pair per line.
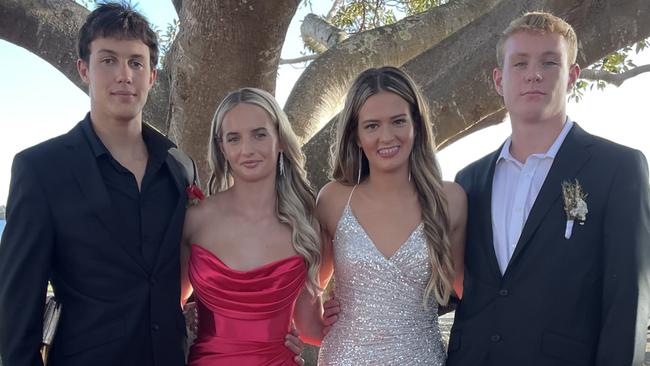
503, 293
155, 327
495, 338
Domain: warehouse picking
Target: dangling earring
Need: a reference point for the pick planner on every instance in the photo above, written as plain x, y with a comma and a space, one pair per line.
409, 175
360, 162
281, 162
226, 169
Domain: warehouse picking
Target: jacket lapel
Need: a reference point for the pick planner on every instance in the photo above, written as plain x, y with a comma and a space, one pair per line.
485, 208
86, 172
571, 157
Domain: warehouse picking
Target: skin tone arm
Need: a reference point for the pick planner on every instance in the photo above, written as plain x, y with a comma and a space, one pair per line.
457, 202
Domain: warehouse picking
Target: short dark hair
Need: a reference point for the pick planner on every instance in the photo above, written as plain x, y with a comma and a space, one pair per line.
117, 20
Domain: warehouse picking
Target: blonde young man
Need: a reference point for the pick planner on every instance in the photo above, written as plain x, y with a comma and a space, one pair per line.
548, 282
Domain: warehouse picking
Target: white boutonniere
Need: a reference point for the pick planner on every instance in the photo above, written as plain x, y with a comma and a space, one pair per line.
575, 205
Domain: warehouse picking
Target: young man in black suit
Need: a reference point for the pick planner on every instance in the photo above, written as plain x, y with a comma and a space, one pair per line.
99, 212
558, 233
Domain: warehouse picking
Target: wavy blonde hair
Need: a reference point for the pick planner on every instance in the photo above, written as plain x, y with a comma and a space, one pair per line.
424, 168
295, 200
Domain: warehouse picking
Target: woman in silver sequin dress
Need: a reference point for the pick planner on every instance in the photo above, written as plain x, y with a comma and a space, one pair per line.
390, 225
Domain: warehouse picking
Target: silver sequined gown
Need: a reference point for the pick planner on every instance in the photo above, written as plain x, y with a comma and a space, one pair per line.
382, 319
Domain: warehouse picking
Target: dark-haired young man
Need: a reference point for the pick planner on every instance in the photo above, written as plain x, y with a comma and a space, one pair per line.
99, 212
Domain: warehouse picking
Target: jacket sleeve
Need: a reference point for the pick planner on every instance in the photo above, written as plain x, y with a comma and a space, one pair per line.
25, 262
626, 265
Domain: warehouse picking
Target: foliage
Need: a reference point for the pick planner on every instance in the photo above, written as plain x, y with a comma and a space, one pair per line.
354, 16
616, 62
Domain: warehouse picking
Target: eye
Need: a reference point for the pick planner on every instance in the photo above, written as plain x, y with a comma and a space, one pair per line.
550, 63
260, 135
107, 60
232, 139
136, 64
400, 121
520, 64
370, 126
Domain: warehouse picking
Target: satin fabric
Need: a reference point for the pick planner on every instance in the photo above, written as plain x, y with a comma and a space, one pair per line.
243, 315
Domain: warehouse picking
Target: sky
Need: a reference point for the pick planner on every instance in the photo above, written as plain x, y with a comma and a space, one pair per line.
38, 102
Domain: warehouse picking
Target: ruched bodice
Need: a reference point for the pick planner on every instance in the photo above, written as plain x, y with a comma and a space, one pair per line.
243, 315
382, 320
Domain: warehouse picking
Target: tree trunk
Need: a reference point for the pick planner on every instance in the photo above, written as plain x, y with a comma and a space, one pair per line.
221, 46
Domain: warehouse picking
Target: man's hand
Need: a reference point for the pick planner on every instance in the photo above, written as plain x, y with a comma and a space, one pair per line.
293, 343
331, 310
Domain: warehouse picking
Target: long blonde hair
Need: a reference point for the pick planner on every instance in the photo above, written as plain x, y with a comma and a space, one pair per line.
295, 196
424, 168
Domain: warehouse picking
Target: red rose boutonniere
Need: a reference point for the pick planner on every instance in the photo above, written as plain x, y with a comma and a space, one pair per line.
194, 195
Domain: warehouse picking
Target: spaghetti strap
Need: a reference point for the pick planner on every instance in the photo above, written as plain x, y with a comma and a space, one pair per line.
350, 197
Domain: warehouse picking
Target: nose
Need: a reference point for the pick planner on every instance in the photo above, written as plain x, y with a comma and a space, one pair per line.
246, 147
124, 73
386, 133
534, 76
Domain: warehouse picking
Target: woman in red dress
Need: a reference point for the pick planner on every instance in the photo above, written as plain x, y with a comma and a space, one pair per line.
251, 250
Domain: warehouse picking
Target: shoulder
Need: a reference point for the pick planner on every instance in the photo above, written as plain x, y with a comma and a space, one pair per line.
203, 213
331, 202
475, 169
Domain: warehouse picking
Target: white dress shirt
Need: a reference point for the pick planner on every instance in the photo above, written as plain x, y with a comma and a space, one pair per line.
515, 187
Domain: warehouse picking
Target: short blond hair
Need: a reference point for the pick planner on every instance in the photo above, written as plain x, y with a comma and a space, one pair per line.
540, 22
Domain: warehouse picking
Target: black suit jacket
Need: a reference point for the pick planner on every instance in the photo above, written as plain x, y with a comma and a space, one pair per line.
577, 301
61, 226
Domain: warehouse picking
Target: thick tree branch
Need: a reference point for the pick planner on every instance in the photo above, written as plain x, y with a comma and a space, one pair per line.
612, 78
319, 34
310, 107
49, 30
298, 59
178, 5
460, 88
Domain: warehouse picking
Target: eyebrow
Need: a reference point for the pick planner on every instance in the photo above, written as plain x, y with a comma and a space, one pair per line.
255, 130
377, 120
111, 52
525, 54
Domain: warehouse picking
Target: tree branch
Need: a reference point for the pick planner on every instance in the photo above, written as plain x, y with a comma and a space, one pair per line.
613, 78
49, 30
319, 34
330, 14
309, 107
298, 59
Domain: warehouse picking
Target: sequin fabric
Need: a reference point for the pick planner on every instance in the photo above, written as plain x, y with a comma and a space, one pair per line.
382, 319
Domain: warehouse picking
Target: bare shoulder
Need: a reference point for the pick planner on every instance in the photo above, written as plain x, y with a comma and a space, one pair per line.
456, 202
198, 215
331, 202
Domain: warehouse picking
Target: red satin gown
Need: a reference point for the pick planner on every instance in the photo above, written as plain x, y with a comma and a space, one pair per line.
243, 315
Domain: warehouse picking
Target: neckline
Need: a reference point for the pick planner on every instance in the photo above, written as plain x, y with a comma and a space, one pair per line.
254, 269
348, 207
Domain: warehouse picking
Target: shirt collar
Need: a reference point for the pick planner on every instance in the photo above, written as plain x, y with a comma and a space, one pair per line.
550, 153
157, 144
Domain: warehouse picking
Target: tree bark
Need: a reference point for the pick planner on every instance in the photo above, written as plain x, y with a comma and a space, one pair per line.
221, 46
460, 89
319, 34
310, 107
49, 29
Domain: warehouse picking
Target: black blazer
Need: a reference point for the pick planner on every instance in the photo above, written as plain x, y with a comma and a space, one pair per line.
61, 226
577, 301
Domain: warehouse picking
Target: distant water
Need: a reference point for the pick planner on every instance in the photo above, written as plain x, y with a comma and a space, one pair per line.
2, 226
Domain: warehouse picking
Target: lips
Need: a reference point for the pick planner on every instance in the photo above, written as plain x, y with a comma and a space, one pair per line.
250, 163
388, 152
533, 92
123, 93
